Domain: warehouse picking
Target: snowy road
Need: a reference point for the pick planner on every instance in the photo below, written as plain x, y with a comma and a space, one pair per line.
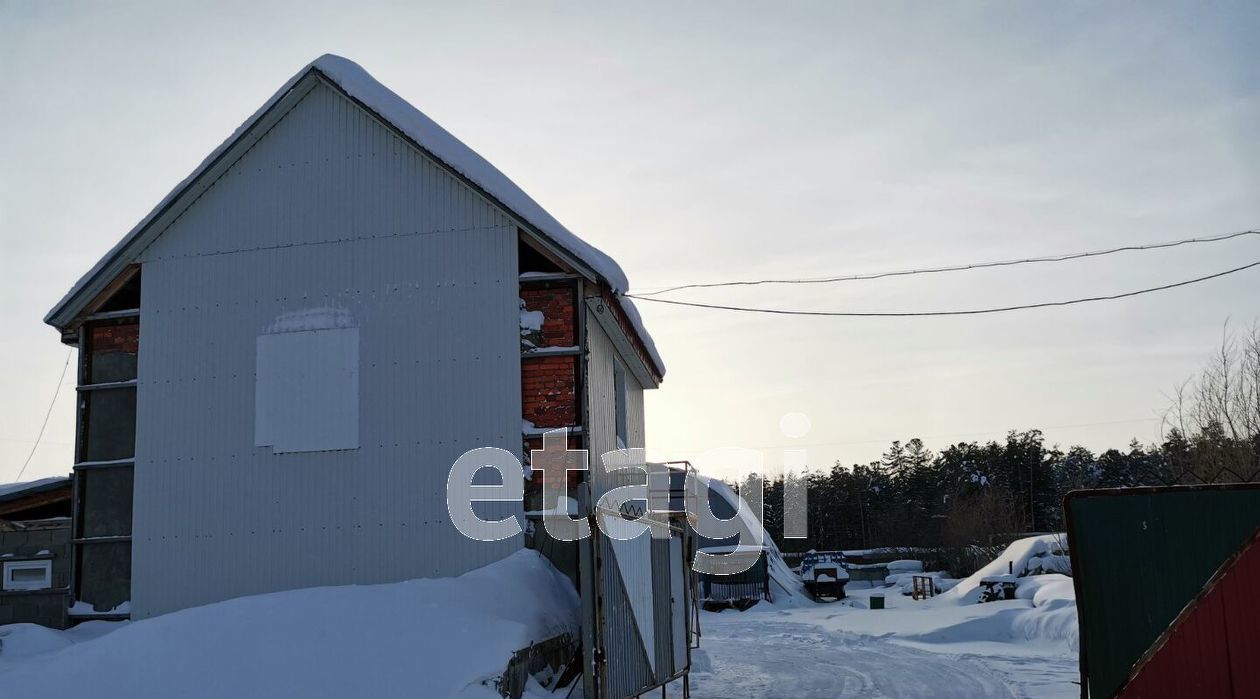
779, 659
945, 647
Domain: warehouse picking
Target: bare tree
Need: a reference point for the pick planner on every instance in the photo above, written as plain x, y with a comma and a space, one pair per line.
1218, 411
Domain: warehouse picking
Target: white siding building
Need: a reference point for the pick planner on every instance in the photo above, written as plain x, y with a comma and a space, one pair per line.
280, 364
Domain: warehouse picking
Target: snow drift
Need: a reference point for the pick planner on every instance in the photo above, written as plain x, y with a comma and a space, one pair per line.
442, 637
1044, 610
1053, 616
1022, 557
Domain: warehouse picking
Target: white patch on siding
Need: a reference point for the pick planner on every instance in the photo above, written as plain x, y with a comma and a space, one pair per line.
306, 391
312, 319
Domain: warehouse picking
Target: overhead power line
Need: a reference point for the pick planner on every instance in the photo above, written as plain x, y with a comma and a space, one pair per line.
954, 268
47, 414
967, 312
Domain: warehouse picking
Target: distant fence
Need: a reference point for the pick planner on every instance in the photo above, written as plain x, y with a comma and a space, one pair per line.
794, 559
869, 572
752, 584
863, 556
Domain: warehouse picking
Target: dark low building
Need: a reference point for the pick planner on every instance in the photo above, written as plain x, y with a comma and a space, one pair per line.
34, 552
740, 590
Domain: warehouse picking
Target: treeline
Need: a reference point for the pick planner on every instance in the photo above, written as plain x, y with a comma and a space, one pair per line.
973, 494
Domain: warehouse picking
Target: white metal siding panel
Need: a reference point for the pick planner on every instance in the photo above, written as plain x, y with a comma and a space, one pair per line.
678, 602
329, 210
602, 398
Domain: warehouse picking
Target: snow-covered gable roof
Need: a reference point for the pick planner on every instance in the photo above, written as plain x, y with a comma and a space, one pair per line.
438, 142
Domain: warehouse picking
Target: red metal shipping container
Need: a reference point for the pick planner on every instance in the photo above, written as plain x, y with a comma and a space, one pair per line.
1212, 649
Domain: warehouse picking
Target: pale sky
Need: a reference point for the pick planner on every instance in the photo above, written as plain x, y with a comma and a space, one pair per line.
704, 142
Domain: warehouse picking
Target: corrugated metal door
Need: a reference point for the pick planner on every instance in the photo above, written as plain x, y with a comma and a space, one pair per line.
640, 612
679, 602
626, 616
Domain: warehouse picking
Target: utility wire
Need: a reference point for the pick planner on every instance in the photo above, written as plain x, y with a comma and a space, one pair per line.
968, 312
954, 268
47, 415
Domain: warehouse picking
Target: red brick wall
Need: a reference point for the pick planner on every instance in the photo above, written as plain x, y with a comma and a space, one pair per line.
549, 390
557, 305
549, 384
536, 477
116, 338
536, 443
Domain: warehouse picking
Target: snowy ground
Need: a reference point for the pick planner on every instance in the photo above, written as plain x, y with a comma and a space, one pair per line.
948, 646
368, 641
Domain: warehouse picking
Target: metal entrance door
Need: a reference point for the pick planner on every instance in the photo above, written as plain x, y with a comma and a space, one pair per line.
637, 608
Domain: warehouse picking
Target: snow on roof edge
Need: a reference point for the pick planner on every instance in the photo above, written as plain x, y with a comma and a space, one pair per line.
359, 84
632, 313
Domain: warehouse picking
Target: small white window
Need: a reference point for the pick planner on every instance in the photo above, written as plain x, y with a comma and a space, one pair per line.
28, 575
306, 391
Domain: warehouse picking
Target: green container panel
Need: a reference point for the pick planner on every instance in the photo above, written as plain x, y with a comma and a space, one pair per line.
1139, 556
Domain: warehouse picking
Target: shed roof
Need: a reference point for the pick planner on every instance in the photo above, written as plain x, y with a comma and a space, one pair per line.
15, 491
429, 136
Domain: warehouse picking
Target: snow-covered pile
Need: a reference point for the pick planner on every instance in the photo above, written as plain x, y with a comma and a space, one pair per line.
1017, 560
443, 637
904, 566
905, 581
1044, 612
1054, 609
531, 326
1049, 563
21, 641
901, 574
